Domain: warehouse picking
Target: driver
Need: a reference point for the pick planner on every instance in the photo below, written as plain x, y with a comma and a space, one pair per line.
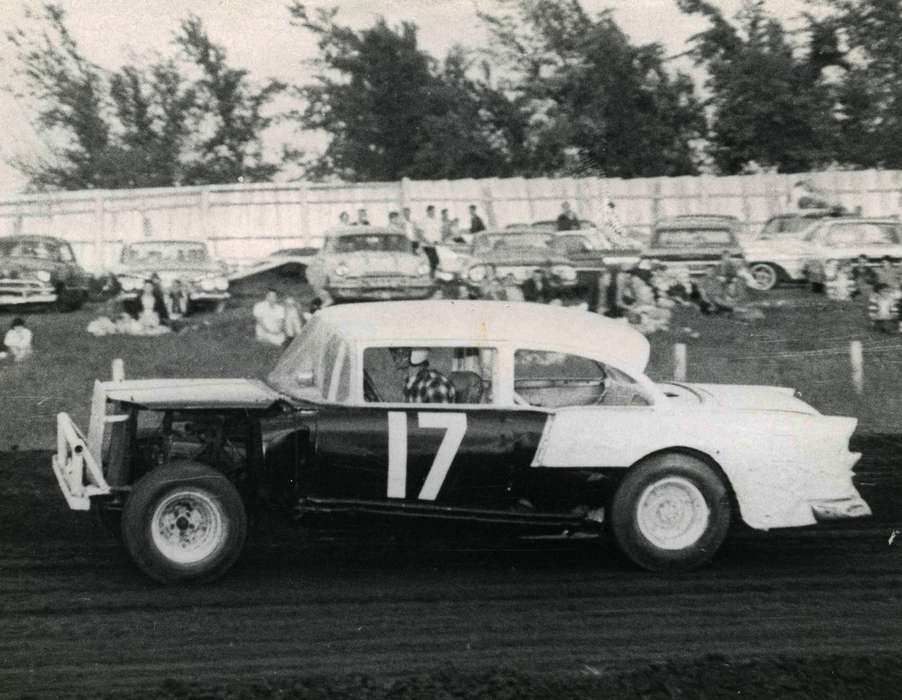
425, 385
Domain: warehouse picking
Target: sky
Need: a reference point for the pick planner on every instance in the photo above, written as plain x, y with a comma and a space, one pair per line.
257, 36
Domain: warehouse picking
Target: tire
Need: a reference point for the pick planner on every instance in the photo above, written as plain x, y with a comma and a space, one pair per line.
184, 522
671, 512
766, 275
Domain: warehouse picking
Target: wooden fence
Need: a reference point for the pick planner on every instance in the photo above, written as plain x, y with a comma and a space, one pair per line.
245, 222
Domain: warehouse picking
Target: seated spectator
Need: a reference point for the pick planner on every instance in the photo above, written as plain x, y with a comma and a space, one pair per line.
840, 285
536, 288
512, 291
883, 308
270, 317
18, 340
567, 219
151, 311
177, 305
864, 277
887, 273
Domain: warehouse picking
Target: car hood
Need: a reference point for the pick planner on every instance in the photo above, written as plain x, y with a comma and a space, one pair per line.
523, 256
377, 263
738, 397
193, 393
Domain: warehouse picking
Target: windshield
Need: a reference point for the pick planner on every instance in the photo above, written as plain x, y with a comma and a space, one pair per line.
299, 372
572, 244
371, 243
165, 252
688, 238
785, 225
44, 250
501, 241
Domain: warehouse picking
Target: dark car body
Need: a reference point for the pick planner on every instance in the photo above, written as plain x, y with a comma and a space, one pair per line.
693, 242
40, 271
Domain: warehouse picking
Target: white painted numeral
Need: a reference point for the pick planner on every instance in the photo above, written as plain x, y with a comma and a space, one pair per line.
455, 426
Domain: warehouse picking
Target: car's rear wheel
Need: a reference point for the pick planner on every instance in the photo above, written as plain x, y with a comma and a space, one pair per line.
766, 276
671, 512
184, 522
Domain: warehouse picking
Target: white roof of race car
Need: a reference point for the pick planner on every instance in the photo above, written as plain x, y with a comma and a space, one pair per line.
525, 324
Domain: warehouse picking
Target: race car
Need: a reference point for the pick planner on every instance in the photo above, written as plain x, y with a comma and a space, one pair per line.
517, 416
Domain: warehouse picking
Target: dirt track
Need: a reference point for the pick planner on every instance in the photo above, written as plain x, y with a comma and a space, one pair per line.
75, 616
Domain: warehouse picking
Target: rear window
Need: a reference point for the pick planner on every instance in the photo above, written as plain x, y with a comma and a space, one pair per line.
862, 234
692, 238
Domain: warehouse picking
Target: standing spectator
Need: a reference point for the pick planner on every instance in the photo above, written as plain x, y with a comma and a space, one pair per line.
883, 309
344, 219
18, 340
363, 218
270, 317
476, 222
887, 273
394, 221
536, 288
176, 305
432, 236
841, 285
410, 228
446, 225
567, 220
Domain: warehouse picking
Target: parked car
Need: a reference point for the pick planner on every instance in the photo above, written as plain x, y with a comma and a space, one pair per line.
777, 251
518, 252
365, 263
289, 262
834, 241
694, 242
41, 271
546, 431
204, 279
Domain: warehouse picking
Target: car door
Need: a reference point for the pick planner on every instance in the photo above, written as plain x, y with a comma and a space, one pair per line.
460, 455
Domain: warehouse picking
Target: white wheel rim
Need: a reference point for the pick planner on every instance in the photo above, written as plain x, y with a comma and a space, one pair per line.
764, 276
187, 527
672, 513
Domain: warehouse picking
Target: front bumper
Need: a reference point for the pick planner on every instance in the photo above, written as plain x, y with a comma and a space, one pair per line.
192, 296
384, 289
14, 292
828, 509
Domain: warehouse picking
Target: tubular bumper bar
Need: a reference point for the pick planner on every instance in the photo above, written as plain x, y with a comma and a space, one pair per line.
78, 471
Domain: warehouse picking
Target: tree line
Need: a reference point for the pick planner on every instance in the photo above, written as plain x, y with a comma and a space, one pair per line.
558, 92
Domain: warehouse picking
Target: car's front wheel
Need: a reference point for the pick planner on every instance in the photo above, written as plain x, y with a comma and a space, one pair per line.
184, 522
765, 275
671, 512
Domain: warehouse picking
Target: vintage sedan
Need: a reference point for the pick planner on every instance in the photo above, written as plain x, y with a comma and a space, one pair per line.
203, 278
836, 241
517, 253
366, 263
518, 417
695, 243
40, 271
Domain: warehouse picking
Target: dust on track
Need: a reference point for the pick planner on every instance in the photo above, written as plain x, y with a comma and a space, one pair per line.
77, 617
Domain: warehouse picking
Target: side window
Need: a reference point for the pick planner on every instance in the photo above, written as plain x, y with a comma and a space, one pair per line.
555, 380
428, 375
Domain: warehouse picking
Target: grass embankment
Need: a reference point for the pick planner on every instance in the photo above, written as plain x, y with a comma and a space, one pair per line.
803, 343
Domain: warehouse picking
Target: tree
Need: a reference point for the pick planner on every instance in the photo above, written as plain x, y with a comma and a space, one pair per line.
592, 93
141, 126
770, 105
391, 111
870, 94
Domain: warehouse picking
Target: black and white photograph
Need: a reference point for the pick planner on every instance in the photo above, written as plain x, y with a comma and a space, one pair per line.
516, 349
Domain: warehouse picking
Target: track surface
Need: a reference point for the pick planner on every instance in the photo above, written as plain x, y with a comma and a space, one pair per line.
76, 617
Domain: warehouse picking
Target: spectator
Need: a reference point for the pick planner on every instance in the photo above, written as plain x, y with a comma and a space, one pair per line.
432, 236
567, 220
426, 385
176, 305
151, 311
887, 273
883, 308
512, 291
411, 230
363, 218
395, 222
18, 340
344, 219
840, 284
476, 222
864, 277
536, 288
270, 317
446, 225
